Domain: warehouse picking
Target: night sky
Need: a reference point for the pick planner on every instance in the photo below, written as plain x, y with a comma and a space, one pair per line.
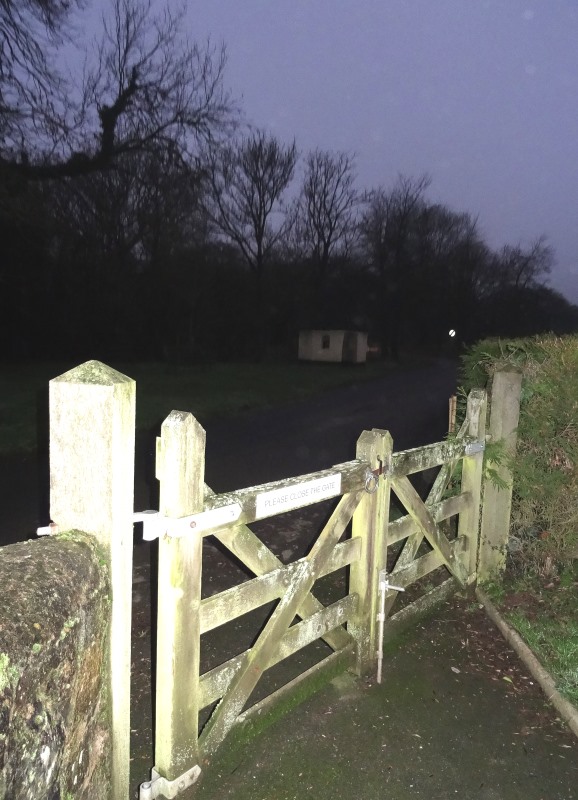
480, 94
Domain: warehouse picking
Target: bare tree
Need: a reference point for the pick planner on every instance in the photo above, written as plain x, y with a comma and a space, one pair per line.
246, 182
29, 82
123, 233
387, 221
386, 231
148, 86
327, 208
525, 268
140, 211
449, 261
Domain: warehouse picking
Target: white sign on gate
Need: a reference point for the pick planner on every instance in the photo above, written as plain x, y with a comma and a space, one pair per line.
300, 494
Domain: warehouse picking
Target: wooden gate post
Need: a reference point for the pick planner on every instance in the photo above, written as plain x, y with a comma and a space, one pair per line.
497, 502
472, 471
370, 523
92, 430
181, 472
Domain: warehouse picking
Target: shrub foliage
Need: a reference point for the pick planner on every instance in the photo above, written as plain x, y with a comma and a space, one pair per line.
544, 523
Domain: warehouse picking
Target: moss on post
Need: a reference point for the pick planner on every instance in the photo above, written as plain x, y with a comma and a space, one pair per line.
370, 524
472, 471
181, 471
54, 725
497, 497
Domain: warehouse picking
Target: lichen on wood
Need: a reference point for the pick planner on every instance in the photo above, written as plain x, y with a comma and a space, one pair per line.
53, 704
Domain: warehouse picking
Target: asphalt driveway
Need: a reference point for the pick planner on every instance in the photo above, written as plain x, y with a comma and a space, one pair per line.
261, 446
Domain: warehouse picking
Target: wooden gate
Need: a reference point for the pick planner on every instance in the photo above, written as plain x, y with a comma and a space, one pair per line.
380, 555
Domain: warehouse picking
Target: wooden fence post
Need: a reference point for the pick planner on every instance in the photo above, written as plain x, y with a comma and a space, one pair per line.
180, 469
472, 471
370, 522
497, 503
92, 431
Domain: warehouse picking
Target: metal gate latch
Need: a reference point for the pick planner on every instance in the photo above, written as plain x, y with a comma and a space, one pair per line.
157, 786
156, 525
371, 482
372, 475
384, 587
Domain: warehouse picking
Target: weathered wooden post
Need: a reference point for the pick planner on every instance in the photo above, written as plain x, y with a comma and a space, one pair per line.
92, 431
497, 502
370, 522
180, 469
472, 471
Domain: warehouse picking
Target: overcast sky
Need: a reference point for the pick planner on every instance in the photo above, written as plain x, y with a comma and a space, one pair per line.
480, 94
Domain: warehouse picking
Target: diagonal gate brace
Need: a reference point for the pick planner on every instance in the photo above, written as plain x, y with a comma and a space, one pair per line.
428, 526
256, 659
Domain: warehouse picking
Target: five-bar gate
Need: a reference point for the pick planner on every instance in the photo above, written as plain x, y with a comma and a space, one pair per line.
383, 557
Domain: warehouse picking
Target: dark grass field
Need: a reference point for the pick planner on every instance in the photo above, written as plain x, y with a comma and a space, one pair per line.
209, 390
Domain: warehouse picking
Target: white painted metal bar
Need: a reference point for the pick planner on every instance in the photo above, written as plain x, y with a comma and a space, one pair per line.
384, 587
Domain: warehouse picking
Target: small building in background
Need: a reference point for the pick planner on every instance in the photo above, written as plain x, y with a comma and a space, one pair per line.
348, 347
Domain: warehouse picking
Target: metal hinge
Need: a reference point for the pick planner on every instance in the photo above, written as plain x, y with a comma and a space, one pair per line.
157, 786
473, 448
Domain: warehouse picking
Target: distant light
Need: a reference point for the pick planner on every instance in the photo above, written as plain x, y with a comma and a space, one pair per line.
452, 333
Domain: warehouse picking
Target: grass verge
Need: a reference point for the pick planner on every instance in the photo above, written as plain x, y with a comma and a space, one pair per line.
546, 617
556, 647
214, 390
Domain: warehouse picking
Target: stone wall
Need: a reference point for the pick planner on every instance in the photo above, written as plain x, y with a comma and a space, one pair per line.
54, 715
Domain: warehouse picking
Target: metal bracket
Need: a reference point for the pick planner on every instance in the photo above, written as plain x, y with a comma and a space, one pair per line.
372, 475
157, 786
473, 448
384, 584
48, 530
156, 525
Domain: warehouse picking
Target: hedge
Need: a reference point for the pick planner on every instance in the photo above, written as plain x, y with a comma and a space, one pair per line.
544, 524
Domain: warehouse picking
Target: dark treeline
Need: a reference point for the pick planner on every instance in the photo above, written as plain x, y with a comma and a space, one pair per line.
159, 226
